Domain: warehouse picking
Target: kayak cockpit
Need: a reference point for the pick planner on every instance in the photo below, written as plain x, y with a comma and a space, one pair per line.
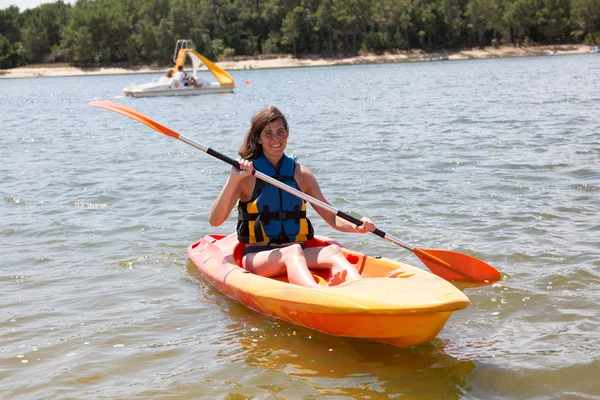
321, 276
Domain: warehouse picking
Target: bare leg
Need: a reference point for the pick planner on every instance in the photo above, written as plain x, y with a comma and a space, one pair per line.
331, 257
193, 81
277, 262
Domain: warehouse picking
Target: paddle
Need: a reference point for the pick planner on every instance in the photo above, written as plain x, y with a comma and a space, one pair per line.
449, 265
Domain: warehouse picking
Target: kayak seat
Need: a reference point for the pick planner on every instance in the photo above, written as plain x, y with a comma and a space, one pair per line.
238, 253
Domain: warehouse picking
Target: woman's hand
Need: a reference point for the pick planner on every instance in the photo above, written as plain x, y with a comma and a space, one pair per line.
367, 226
245, 170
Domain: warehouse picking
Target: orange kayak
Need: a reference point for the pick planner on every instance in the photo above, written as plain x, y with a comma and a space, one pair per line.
394, 303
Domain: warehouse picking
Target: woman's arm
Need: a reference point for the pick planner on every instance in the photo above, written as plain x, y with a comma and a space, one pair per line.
309, 185
236, 187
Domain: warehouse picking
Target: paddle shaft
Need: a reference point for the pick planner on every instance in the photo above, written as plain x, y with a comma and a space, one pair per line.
463, 267
312, 200
293, 191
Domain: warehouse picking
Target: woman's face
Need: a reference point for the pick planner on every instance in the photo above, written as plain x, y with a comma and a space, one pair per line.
273, 139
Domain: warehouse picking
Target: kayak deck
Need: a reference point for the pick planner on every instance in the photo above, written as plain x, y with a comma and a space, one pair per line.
394, 303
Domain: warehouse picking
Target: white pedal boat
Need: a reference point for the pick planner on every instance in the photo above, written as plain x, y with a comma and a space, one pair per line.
174, 87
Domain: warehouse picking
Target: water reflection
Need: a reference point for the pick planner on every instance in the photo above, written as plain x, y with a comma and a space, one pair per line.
335, 366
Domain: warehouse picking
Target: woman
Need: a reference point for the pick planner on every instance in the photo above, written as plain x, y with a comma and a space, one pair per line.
272, 222
166, 80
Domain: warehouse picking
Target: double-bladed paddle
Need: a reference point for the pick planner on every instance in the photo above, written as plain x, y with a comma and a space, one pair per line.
450, 265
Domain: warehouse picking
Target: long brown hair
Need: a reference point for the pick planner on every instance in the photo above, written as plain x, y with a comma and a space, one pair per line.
251, 149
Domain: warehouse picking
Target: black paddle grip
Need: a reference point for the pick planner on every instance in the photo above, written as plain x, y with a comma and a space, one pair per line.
379, 233
358, 222
223, 157
349, 218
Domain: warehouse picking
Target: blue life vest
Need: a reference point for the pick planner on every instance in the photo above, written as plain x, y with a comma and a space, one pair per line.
273, 215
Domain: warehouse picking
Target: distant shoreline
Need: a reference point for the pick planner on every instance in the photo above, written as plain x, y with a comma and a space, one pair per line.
49, 70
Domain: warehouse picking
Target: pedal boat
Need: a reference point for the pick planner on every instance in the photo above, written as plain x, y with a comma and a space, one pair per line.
173, 87
394, 303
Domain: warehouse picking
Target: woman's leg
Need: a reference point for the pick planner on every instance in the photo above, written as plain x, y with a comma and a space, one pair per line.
276, 262
331, 257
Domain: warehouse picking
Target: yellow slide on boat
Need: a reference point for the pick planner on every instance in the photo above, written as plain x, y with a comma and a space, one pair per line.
198, 59
394, 303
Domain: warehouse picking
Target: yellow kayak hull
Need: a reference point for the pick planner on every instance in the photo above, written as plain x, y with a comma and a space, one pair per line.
394, 303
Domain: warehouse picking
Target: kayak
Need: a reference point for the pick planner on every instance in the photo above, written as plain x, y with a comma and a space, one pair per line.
394, 303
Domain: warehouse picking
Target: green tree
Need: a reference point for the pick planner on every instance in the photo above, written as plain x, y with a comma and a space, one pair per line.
272, 15
518, 18
325, 25
108, 31
290, 28
350, 16
425, 17
98, 31
482, 17
11, 50
552, 20
41, 29
452, 12
585, 16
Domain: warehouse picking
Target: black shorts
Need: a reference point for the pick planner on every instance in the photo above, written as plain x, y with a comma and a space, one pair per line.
266, 247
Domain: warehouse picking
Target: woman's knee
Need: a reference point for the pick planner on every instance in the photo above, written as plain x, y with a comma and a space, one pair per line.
294, 250
333, 250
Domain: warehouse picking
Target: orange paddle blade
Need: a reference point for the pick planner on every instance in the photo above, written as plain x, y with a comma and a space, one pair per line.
454, 266
134, 114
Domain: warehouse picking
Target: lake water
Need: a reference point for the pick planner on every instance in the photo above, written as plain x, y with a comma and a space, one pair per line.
499, 159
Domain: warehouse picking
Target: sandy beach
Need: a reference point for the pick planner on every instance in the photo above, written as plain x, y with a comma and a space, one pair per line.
44, 70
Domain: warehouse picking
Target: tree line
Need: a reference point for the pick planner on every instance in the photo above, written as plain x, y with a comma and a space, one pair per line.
145, 31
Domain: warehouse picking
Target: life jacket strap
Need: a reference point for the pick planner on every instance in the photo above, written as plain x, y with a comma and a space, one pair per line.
265, 217
281, 239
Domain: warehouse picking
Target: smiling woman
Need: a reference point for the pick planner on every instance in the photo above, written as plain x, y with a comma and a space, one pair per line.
272, 221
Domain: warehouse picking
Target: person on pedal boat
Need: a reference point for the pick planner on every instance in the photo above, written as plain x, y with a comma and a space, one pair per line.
186, 79
271, 222
168, 77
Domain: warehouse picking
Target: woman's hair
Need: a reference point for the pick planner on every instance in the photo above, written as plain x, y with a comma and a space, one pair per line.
170, 73
251, 149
